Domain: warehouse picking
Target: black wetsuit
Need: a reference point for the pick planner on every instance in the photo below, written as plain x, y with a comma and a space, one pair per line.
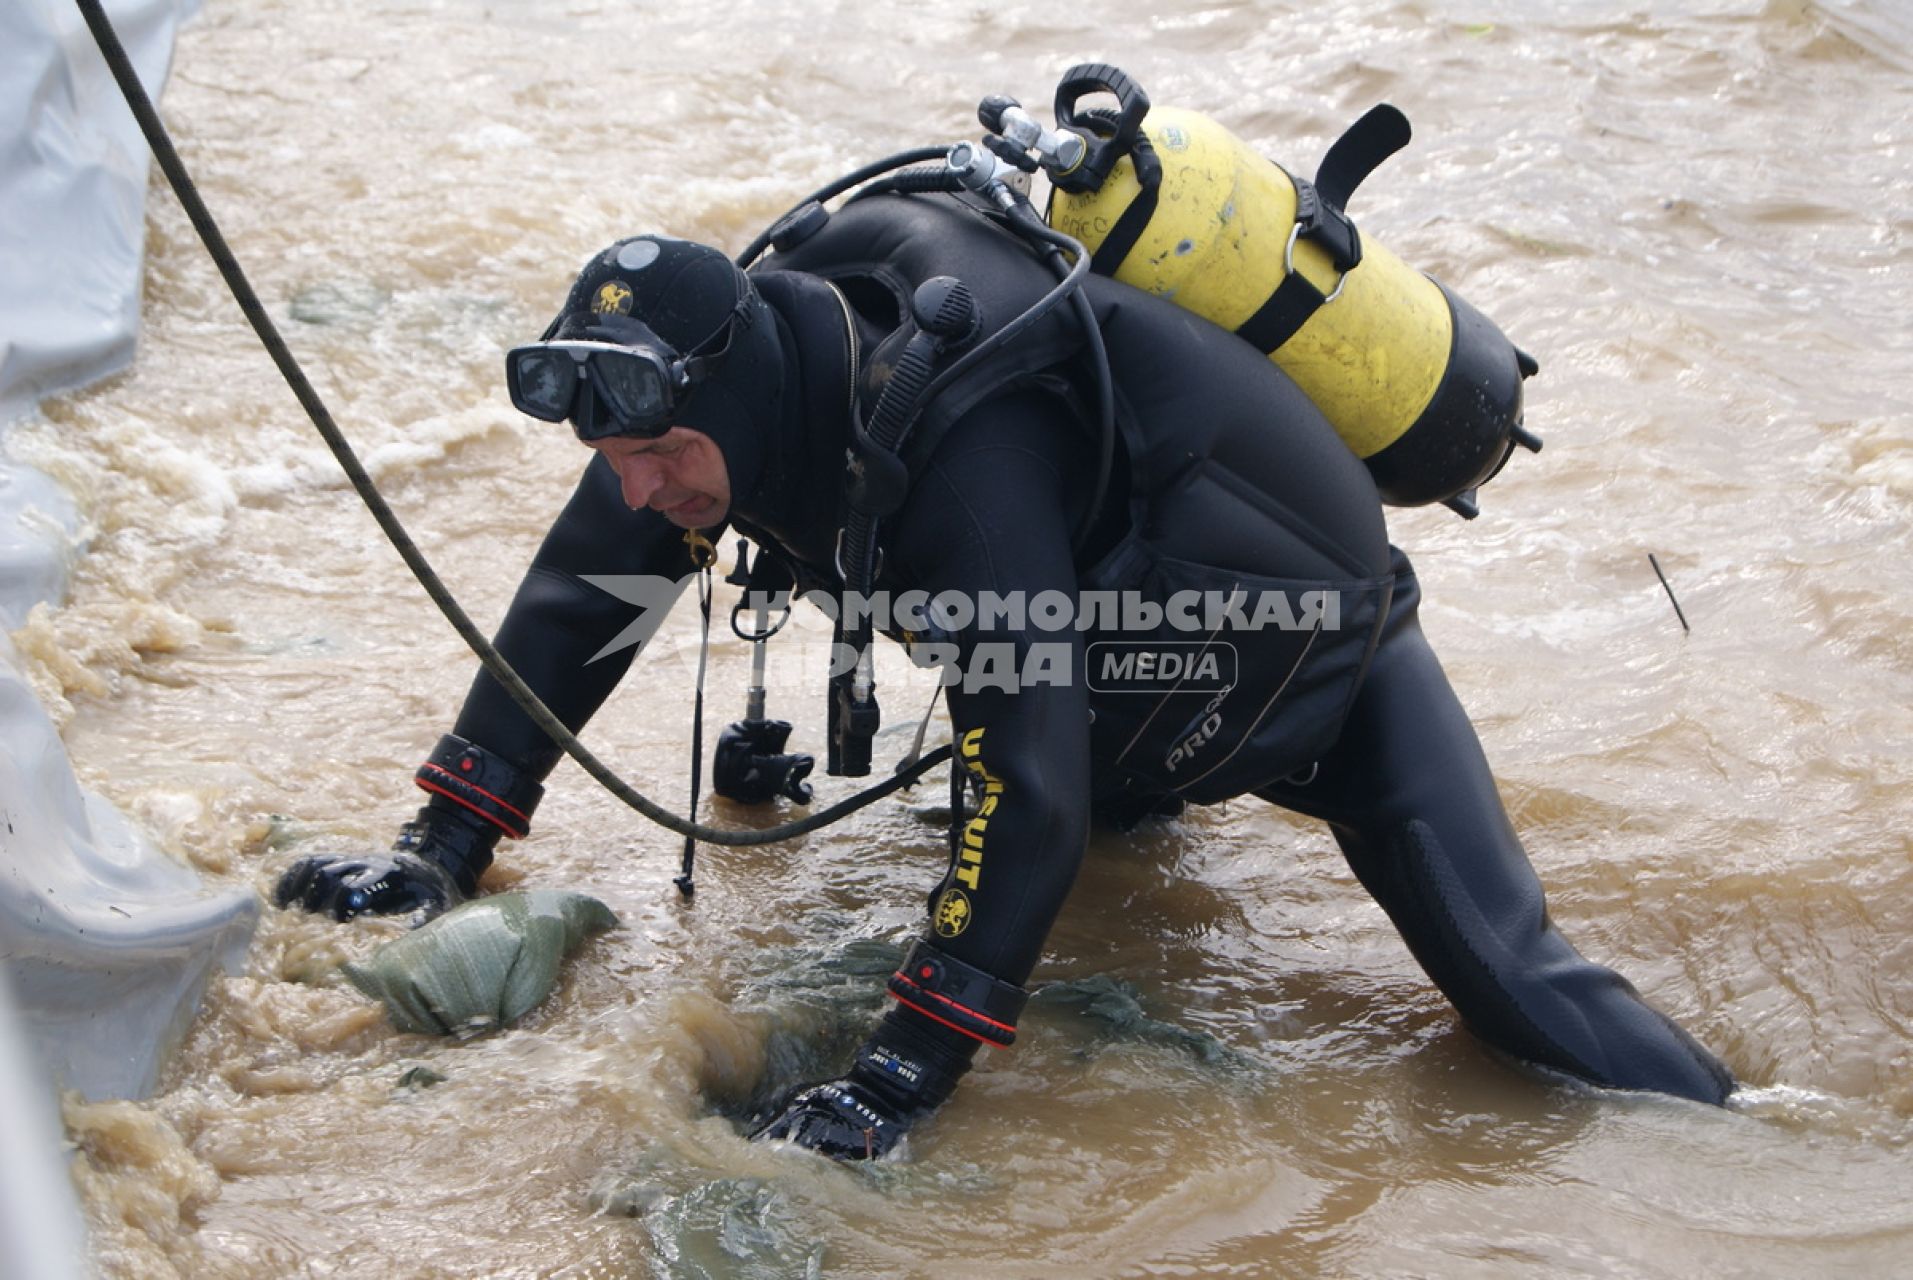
1398, 771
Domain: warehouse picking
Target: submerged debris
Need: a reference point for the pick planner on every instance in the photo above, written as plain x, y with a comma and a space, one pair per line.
1116, 1005
725, 1229
421, 1077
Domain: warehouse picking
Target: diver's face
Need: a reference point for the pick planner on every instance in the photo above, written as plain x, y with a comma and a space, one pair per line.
680, 474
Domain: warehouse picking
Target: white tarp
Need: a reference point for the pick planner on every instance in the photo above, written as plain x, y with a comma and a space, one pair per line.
73, 172
105, 942
40, 1235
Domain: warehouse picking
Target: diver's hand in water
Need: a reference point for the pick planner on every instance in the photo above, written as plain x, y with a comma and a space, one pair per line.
838, 1119
904, 1072
386, 884
477, 796
433, 866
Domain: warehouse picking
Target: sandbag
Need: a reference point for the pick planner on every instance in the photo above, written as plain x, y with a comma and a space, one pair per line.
480, 965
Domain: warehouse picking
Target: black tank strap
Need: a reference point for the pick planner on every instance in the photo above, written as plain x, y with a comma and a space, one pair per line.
1283, 315
1320, 218
1297, 298
1379, 134
1129, 227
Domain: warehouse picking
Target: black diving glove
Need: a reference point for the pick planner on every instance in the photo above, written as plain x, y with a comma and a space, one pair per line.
433, 866
476, 797
902, 1074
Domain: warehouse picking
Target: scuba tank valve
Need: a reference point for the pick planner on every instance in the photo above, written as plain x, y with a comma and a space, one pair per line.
1015, 133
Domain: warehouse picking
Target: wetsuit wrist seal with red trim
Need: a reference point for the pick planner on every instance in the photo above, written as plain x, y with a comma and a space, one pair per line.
958, 995
477, 782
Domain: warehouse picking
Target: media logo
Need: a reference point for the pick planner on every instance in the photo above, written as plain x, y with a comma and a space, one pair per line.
1161, 666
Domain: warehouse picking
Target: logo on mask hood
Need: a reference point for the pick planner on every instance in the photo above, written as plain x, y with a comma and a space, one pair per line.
612, 299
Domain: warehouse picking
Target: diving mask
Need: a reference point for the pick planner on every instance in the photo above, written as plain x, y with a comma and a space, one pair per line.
620, 379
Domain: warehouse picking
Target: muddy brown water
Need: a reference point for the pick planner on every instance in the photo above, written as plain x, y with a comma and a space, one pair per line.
1700, 218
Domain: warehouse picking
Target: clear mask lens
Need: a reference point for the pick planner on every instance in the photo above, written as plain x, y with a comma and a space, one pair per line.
633, 388
546, 382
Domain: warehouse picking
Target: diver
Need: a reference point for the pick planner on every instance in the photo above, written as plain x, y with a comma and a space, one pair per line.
716, 398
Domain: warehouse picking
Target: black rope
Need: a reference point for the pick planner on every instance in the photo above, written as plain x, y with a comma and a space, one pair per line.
182, 184
1060, 249
957, 784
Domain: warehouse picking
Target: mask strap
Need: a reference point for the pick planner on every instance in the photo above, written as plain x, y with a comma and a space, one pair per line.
697, 364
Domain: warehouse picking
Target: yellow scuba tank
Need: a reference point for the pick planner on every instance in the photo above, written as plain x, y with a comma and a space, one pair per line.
1416, 382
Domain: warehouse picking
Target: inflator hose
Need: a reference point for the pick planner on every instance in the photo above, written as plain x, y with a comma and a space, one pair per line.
916, 155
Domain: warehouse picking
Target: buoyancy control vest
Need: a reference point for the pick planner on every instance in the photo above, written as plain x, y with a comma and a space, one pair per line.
879, 249
1261, 536
1253, 534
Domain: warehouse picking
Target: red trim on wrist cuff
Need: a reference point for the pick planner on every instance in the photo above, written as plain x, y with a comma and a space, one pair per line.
466, 782
1009, 1032
461, 800
994, 1044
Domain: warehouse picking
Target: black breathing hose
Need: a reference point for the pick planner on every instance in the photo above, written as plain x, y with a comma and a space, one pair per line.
914, 181
1013, 330
876, 168
1070, 286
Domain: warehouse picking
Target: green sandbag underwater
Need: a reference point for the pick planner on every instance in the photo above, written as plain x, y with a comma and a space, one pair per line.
479, 965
